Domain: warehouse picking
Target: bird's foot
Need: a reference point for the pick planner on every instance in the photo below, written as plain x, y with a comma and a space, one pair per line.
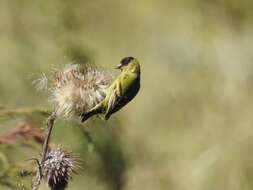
107, 116
84, 116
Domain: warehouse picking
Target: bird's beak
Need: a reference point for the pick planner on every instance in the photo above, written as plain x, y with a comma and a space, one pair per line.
118, 66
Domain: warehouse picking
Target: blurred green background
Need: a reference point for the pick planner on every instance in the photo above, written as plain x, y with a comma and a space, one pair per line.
190, 127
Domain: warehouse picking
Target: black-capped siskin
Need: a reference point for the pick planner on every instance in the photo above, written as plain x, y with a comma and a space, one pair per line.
122, 90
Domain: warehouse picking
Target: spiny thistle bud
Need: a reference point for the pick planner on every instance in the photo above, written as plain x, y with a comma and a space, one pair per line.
58, 167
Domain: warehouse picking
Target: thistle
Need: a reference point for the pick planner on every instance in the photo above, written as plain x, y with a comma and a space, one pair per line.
77, 88
74, 89
58, 167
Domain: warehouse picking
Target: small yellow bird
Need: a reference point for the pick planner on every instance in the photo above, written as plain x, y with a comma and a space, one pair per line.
123, 89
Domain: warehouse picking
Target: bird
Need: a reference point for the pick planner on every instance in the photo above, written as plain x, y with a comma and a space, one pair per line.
122, 90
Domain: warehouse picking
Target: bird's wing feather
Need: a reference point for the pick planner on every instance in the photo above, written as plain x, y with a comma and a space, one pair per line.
112, 102
118, 90
115, 96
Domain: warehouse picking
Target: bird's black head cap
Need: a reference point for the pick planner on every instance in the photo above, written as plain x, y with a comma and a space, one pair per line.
124, 62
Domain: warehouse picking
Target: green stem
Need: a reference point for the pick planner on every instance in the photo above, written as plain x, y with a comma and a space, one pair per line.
50, 125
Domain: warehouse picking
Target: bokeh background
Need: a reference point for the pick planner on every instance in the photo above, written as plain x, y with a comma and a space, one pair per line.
190, 127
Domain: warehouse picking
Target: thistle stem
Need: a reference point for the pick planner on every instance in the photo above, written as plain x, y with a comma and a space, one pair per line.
50, 125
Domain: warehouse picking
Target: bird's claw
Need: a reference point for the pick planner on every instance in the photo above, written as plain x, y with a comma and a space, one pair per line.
83, 117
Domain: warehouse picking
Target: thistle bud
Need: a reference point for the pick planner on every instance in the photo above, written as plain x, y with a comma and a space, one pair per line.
58, 167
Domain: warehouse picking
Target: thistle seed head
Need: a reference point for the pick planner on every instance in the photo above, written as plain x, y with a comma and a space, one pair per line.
58, 167
77, 89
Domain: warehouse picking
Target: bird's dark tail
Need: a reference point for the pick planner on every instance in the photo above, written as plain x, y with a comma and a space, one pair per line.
86, 115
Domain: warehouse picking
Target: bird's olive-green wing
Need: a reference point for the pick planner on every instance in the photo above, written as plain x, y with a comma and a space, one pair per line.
118, 92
